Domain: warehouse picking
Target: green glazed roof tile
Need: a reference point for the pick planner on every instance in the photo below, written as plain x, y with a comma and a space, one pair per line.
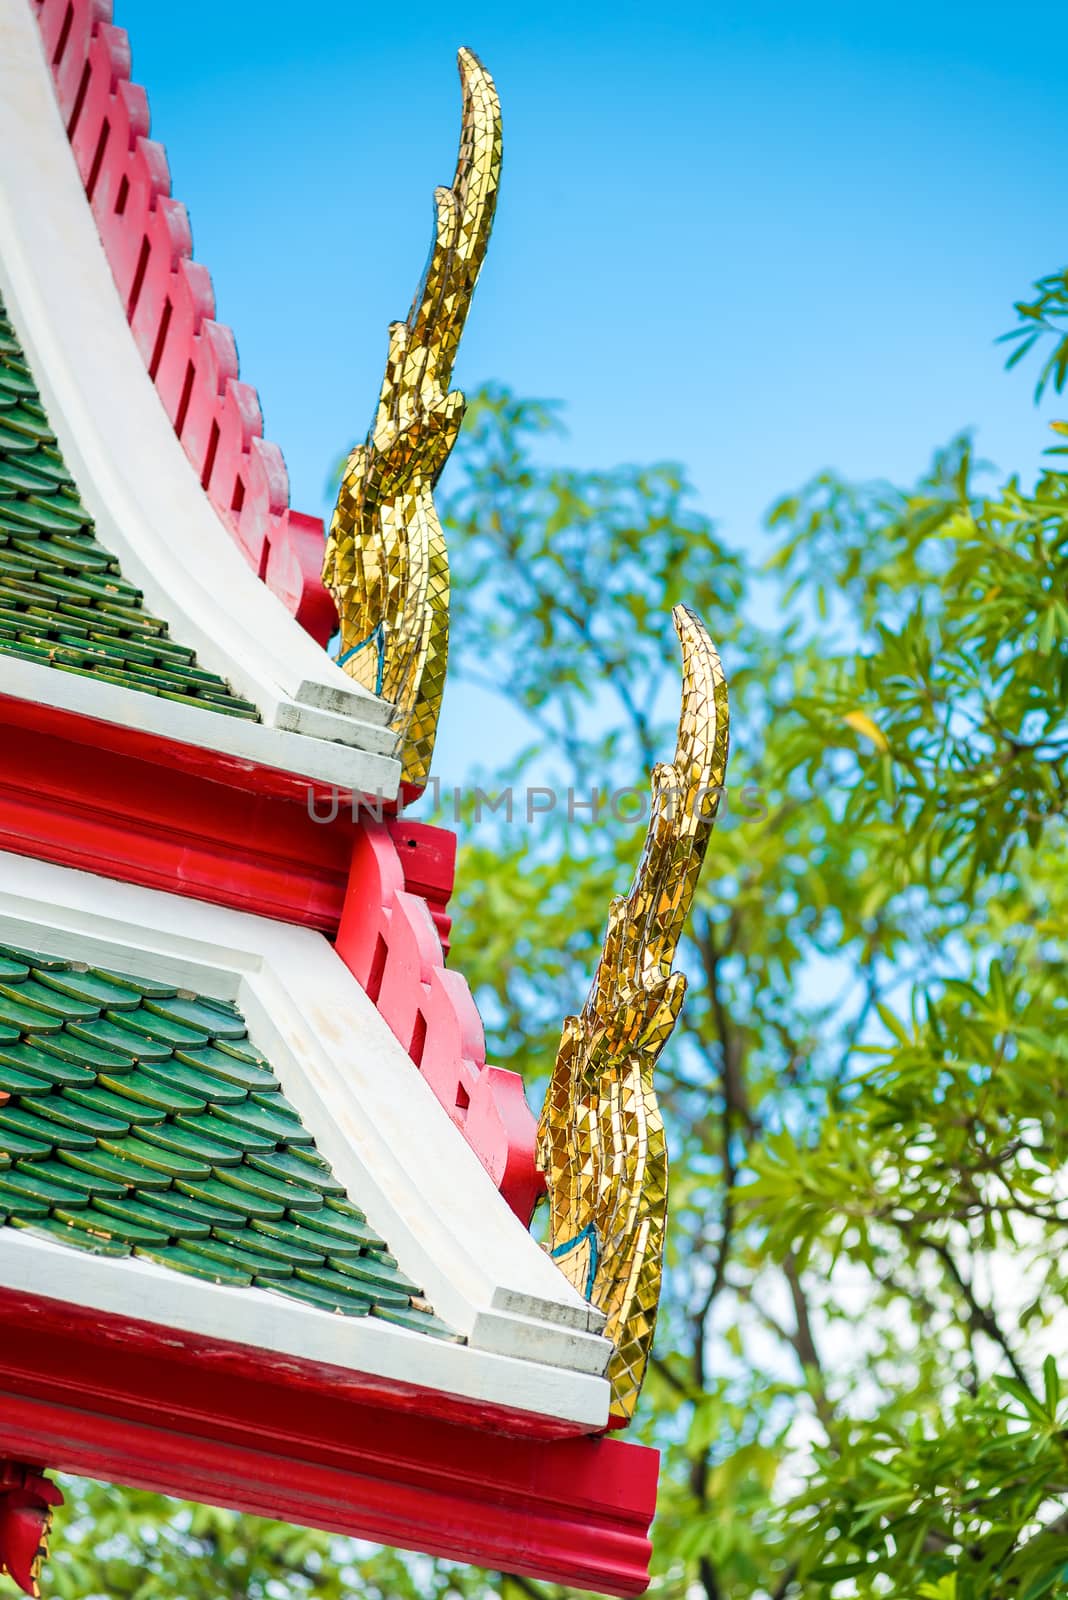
23, 1118
184, 1259
57, 1067
257, 1119
149, 1091
157, 1158
347, 1305
147, 1215
291, 1196
265, 1245
418, 1322
63, 599
244, 1051
242, 1259
73, 1112
18, 1144
377, 1274
119, 1115
204, 1086
131, 1175
247, 1075
17, 1014
191, 1158
44, 1190
293, 1168
12, 1081
305, 1238
212, 1021
111, 1035
169, 1136
35, 958
199, 1211
29, 992
160, 1029
102, 1226
50, 1227
83, 1054
237, 1137
64, 1173
216, 1192
85, 986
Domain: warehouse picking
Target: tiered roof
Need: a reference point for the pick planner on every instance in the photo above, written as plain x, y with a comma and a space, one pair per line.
264, 1204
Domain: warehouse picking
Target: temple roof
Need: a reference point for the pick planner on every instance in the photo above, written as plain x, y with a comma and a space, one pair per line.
142, 1121
264, 1203
139, 479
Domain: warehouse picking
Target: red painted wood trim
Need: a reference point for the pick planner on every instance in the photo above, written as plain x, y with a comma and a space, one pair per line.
388, 940
118, 809
81, 1391
235, 772
170, 305
428, 861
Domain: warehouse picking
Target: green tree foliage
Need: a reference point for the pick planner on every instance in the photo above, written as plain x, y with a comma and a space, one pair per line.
856, 1383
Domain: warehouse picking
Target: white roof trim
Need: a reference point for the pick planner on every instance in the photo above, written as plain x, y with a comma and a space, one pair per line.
374, 1118
116, 437
141, 1289
320, 759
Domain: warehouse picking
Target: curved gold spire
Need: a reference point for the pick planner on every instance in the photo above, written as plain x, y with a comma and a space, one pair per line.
601, 1139
386, 563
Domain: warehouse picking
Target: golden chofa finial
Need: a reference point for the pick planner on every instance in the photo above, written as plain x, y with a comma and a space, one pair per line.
386, 563
601, 1138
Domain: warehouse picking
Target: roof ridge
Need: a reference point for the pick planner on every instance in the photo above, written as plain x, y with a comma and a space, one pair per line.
170, 306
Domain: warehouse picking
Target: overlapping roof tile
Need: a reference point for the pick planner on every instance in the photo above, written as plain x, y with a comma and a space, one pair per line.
141, 1121
63, 599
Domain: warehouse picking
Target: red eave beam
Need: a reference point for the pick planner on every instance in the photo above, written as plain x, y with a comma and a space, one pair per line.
204, 1420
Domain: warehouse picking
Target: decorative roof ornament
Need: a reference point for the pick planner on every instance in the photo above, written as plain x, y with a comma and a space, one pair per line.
601, 1138
386, 563
27, 1499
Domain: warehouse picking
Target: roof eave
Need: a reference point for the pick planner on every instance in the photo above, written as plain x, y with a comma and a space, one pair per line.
298, 1440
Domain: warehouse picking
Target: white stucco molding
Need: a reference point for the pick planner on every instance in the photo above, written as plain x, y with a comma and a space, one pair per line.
530, 1336
116, 437
323, 760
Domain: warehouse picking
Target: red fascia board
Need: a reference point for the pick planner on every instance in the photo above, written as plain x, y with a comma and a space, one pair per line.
236, 772
121, 804
159, 1409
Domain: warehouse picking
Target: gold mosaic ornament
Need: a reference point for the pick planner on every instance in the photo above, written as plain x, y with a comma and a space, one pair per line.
386, 564
601, 1138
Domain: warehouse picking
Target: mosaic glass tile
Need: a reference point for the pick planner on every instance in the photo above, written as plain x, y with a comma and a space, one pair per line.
386, 563
601, 1139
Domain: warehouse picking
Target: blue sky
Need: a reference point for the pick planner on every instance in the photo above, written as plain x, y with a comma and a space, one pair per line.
758, 239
